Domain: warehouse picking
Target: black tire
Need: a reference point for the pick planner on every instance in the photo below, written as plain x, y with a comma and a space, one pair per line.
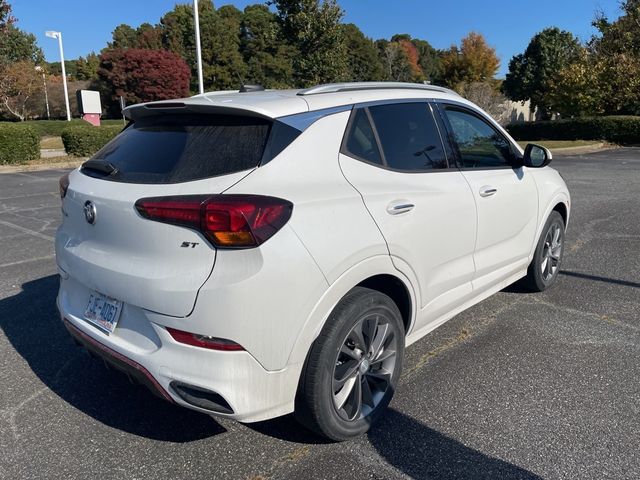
317, 399
538, 278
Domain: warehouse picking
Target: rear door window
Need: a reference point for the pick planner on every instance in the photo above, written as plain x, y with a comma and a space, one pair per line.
409, 137
182, 148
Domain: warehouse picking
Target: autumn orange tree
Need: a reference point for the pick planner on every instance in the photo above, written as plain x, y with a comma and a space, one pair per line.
19, 82
473, 61
411, 53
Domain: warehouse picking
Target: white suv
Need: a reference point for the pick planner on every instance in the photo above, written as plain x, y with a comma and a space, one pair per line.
253, 254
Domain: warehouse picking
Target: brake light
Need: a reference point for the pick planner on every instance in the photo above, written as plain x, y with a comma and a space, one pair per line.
203, 341
63, 184
228, 221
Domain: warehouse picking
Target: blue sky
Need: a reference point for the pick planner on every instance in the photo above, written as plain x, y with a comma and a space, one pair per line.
508, 25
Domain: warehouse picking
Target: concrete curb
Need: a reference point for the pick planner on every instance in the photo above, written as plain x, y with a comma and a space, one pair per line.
76, 162
596, 147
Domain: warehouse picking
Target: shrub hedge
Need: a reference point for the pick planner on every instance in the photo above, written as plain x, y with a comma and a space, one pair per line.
84, 141
615, 129
18, 143
54, 128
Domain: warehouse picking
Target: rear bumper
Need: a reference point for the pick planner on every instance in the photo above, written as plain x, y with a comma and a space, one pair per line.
130, 368
227, 384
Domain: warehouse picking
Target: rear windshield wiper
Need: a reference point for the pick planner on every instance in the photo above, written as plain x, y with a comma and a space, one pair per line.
107, 168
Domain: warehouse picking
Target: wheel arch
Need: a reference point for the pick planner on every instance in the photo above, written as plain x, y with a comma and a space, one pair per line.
562, 209
377, 273
560, 204
395, 289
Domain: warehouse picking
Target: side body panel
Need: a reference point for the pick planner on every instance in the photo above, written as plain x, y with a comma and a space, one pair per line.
435, 239
507, 221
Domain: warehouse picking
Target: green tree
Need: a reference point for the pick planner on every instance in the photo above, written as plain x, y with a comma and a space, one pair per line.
124, 36
6, 18
363, 62
149, 36
313, 28
145, 36
428, 59
576, 89
70, 68
87, 67
531, 73
224, 67
269, 61
616, 53
178, 30
621, 36
16, 45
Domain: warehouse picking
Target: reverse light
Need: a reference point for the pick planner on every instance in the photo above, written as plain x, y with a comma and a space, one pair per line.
203, 341
63, 184
228, 221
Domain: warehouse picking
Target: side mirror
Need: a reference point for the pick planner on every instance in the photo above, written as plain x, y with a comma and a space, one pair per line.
536, 156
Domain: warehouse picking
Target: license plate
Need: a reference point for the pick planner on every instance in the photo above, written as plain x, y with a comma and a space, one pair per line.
103, 311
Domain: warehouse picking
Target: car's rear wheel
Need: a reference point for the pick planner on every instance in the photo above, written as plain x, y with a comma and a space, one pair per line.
547, 259
353, 367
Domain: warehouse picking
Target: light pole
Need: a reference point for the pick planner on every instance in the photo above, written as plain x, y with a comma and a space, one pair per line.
196, 21
39, 69
58, 35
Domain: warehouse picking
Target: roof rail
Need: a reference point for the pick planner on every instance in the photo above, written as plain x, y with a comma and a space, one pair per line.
356, 86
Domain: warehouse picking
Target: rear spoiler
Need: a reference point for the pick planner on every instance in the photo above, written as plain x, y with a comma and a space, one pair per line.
142, 110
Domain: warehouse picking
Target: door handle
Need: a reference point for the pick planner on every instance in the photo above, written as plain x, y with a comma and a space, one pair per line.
396, 208
487, 191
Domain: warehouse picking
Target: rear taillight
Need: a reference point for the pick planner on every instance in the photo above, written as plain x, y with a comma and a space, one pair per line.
63, 184
228, 221
203, 341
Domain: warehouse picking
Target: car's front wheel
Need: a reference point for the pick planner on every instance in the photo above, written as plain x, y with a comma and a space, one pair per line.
547, 259
353, 367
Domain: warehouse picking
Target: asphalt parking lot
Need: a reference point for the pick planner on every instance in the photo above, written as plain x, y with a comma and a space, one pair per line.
520, 386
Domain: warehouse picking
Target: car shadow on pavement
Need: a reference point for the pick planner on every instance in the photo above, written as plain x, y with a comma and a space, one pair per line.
31, 323
287, 428
423, 453
597, 278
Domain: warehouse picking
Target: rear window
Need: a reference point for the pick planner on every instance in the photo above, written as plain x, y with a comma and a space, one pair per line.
409, 137
182, 148
361, 141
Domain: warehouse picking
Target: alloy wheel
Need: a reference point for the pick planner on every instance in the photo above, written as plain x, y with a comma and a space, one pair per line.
551, 252
364, 367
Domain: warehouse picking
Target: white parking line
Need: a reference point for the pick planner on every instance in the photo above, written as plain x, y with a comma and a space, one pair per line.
55, 194
28, 260
28, 231
33, 177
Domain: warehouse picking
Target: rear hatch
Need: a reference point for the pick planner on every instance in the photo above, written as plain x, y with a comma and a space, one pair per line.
153, 265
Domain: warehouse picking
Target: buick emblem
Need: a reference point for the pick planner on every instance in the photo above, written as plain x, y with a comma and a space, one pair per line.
90, 212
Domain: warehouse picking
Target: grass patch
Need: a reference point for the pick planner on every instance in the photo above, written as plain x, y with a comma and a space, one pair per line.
553, 144
51, 143
56, 160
